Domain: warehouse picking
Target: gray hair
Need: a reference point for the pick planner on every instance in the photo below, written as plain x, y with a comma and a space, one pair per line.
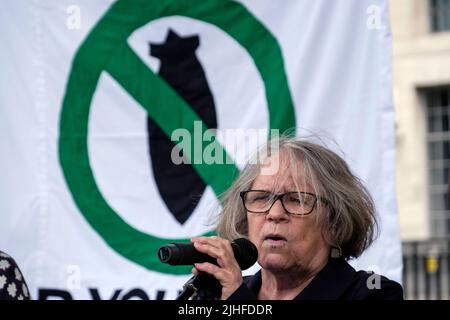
349, 220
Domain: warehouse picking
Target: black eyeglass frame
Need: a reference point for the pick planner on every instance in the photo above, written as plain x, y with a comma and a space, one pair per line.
279, 196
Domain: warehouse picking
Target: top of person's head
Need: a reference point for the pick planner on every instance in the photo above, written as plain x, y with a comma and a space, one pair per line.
348, 220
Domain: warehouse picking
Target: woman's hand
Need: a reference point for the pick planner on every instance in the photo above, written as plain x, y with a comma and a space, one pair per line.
228, 272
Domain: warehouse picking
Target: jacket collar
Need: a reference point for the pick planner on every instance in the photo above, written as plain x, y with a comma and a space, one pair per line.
329, 284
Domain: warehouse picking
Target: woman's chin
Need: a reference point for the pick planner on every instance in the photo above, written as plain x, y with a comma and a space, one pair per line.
273, 261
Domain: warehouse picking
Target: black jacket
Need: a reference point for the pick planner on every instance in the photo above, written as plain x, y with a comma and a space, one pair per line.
336, 281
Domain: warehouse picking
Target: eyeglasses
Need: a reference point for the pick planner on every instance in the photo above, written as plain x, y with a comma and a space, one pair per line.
294, 203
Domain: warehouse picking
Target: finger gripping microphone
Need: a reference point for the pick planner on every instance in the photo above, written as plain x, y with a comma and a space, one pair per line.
177, 254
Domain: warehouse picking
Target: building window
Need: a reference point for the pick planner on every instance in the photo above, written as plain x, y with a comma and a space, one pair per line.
439, 13
438, 141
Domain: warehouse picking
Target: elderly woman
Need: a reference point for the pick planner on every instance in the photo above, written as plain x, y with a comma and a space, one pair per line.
307, 214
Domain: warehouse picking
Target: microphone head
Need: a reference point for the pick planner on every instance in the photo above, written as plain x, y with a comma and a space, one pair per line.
245, 252
167, 253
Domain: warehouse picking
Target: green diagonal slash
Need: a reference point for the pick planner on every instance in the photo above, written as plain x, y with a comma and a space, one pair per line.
106, 50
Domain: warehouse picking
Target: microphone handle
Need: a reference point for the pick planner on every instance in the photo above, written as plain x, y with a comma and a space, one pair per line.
189, 255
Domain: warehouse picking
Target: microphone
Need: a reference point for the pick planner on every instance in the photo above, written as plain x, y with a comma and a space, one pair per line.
176, 254
204, 286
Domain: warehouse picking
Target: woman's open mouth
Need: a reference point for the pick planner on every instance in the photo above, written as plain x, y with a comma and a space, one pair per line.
275, 239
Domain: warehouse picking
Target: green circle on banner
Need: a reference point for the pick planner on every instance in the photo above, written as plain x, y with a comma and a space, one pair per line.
106, 50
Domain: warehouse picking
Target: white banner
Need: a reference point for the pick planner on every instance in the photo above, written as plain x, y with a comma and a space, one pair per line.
89, 91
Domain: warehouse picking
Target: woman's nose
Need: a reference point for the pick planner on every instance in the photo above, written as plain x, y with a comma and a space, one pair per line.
277, 212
